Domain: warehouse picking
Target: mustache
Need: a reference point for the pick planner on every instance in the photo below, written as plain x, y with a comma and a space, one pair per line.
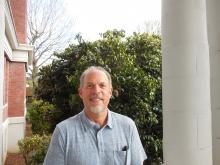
96, 97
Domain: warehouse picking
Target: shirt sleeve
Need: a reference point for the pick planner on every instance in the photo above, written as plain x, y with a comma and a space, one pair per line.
138, 154
55, 153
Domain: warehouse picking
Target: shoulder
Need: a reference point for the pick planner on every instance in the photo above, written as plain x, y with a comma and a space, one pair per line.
70, 122
122, 119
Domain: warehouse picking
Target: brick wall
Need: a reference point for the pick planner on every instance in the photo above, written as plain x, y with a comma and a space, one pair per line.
5, 91
6, 73
17, 89
17, 78
19, 11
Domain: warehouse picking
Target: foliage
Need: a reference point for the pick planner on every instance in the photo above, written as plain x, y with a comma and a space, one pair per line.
34, 148
41, 116
147, 49
135, 65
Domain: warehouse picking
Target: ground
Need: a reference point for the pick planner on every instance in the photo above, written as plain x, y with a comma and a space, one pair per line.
14, 159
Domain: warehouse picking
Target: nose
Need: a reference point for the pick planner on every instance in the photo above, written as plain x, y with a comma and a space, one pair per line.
97, 89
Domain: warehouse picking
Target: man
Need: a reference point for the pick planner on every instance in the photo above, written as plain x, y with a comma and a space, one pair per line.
96, 136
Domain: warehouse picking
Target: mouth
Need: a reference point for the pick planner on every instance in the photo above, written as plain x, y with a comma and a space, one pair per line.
96, 99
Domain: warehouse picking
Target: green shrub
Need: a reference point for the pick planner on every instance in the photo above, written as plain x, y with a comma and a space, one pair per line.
39, 116
34, 148
135, 65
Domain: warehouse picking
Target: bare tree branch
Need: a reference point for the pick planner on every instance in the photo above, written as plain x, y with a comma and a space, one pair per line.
48, 30
49, 57
152, 27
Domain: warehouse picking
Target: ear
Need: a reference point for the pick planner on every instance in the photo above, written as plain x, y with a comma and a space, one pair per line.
80, 92
111, 91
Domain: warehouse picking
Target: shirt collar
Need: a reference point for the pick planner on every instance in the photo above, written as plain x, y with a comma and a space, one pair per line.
109, 121
90, 124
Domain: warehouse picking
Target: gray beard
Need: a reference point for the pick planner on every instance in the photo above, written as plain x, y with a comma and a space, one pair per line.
97, 109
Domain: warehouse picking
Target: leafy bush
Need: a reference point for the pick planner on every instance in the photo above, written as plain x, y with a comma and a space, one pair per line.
34, 148
135, 65
40, 114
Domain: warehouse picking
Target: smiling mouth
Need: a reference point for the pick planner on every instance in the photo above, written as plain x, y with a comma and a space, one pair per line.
96, 99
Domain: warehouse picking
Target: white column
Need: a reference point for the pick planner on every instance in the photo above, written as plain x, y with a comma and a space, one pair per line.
213, 20
2, 34
186, 84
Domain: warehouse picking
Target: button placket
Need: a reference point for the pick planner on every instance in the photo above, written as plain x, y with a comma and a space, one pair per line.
99, 140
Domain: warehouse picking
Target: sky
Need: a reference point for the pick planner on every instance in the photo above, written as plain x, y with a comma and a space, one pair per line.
92, 17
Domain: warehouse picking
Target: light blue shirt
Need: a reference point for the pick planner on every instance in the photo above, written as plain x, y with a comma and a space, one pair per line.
78, 141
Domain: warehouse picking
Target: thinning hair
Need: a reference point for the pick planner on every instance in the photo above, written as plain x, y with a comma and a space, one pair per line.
95, 68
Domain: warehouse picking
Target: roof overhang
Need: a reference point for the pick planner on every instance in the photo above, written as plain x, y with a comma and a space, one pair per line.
15, 51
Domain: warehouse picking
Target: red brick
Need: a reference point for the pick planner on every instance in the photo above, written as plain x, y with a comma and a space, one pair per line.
17, 88
19, 12
6, 84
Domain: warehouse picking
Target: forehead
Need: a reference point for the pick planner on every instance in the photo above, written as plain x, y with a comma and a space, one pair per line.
96, 76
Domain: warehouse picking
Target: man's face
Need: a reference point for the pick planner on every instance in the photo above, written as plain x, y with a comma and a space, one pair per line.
96, 91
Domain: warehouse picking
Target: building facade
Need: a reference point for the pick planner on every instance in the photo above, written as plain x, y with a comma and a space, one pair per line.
15, 55
191, 90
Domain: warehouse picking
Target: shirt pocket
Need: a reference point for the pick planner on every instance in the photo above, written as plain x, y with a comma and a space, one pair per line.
120, 157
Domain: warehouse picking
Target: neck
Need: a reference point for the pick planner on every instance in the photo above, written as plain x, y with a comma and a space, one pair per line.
99, 118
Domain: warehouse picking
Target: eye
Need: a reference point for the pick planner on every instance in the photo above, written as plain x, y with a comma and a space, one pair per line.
102, 85
89, 85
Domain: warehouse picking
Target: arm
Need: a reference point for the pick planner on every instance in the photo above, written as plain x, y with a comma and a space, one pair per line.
55, 153
138, 154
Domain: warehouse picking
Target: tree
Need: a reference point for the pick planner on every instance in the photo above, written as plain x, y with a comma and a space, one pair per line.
48, 30
135, 65
152, 27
